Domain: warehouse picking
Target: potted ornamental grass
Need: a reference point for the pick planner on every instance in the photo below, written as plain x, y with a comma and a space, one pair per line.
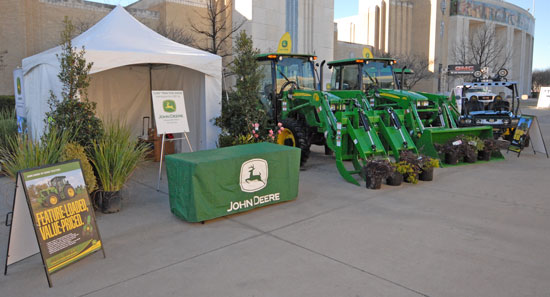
115, 157
375, 171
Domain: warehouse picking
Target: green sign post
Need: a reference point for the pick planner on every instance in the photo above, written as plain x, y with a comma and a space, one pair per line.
208, 184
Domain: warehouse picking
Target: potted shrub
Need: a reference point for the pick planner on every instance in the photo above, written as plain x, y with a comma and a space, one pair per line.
469, 152
427, 168
115, 157
409, 166
396, 177
375, 171
451, 150
490, 145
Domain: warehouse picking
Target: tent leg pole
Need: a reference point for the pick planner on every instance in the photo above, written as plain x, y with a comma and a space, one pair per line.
160, 164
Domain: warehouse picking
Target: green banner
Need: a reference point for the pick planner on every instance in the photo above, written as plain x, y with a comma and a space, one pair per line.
62, 213
208, 184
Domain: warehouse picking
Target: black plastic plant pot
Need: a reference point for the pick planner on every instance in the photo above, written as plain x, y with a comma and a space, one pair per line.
427, 174
373, 183
111, 202
470, 158
484, 155
451, 158
395, 179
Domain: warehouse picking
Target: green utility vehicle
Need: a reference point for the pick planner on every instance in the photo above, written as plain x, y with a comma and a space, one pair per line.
429, 118
58, 189
341, 121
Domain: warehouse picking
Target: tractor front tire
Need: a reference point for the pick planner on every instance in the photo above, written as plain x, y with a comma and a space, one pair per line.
295, 134
51, 200
68, 192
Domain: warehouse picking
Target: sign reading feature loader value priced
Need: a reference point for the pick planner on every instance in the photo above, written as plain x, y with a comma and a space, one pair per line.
62, 214
208, 184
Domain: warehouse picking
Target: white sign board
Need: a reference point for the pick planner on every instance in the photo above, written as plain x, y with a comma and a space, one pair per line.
544, 97
170, 114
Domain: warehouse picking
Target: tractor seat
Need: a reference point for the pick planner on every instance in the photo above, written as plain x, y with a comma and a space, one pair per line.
499, 105
474, 105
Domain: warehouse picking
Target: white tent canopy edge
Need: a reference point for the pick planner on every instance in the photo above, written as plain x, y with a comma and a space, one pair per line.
120, 40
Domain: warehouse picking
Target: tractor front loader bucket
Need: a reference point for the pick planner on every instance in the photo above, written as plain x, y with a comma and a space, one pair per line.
394, 133
350, 134
431, 136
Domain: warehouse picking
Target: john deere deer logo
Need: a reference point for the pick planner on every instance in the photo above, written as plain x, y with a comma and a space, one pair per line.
18, 86
169, 105
253, 175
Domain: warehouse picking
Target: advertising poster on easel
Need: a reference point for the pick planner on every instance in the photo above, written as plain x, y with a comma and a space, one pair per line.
61, 213
520, 134
528, 131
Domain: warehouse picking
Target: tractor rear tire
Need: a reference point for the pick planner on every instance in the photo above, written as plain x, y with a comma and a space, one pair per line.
295, 134
68, 192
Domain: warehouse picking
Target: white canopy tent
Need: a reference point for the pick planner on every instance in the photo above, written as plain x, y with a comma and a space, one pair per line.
129, 60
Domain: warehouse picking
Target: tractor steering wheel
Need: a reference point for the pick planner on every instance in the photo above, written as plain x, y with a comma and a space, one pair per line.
286, 84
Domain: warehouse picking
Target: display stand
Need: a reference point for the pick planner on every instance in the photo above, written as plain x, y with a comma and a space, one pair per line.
170, 117
162, 154
528, 128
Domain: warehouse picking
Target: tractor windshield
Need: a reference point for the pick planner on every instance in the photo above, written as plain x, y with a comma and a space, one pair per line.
298, 70
380, 73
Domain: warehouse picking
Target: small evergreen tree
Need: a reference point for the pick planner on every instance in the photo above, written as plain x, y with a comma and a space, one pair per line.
242, 114
74, 112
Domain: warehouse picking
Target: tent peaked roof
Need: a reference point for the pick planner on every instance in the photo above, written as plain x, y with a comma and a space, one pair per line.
119, 39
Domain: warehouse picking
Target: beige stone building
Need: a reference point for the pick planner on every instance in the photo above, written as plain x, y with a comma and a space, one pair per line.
436, 30
32, 26
28, 27
430, 29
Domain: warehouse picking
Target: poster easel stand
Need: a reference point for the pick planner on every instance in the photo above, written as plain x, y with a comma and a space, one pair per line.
162, 154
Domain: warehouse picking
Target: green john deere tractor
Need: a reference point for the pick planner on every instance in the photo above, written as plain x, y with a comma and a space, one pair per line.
429, 118
343, 122
58, 189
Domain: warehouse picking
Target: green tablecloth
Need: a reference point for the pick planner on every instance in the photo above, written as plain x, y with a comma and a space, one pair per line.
208, 184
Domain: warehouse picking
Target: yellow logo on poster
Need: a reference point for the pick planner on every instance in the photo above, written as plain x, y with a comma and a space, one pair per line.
169, 105
285, 44
367, 53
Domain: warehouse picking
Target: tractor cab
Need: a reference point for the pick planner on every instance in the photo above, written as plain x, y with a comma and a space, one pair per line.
362, 74
283, 72
58, 182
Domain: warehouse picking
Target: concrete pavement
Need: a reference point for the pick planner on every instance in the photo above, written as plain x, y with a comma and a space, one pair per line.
477, 230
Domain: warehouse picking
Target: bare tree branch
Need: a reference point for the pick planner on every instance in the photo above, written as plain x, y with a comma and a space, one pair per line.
214, 28
482, 48
176, 34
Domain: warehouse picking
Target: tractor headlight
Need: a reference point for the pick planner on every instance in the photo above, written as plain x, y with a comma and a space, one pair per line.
467, 121
474, 98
